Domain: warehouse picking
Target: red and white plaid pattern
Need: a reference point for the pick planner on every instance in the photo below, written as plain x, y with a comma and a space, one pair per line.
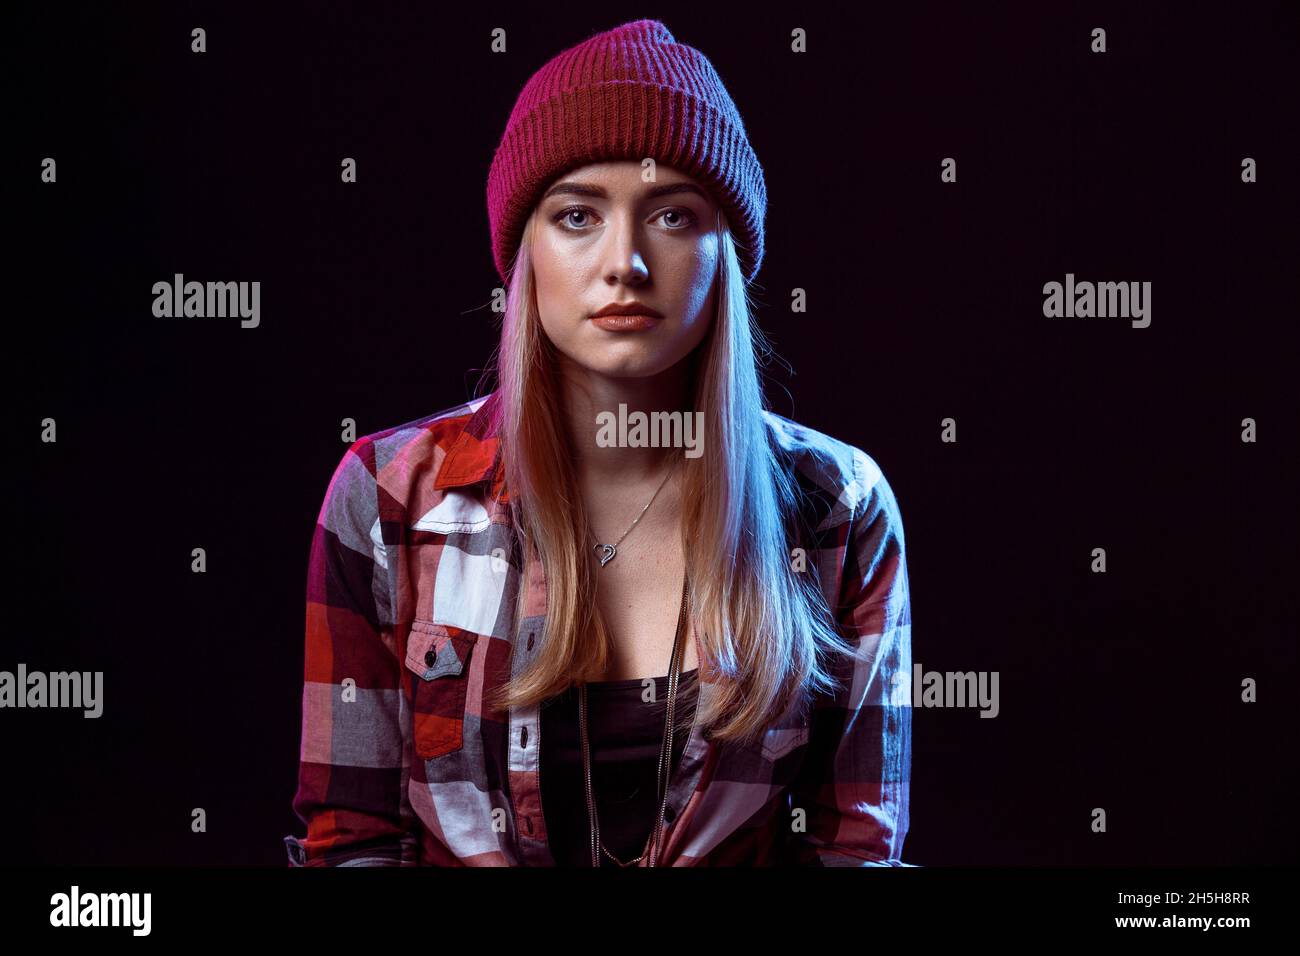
411, 588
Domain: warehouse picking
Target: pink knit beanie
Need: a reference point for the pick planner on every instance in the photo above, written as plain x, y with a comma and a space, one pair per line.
628, 93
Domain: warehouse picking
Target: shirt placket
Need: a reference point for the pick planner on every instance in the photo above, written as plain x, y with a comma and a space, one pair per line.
525, 737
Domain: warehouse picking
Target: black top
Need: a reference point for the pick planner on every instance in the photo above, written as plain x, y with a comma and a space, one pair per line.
626, 735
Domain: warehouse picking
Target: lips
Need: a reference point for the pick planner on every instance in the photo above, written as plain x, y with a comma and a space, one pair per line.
625, 322
630, 307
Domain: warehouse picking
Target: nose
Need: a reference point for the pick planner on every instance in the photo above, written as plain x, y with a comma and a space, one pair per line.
623, 259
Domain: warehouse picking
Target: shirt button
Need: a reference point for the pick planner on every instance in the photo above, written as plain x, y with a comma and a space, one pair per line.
669, 814
429, 658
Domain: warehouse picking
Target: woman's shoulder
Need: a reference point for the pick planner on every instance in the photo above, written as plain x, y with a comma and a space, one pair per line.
846, 477
414, 459
439, 430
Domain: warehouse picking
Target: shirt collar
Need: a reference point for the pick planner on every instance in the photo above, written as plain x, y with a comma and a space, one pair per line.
474, 457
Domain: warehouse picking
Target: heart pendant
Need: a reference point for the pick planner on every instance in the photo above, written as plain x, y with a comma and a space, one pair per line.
607, 554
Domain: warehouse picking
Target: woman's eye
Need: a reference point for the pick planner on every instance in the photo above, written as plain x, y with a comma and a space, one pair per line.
564, 216
675, 219
682, 218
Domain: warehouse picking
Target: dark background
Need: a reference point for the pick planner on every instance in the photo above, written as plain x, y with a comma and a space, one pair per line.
1119, 690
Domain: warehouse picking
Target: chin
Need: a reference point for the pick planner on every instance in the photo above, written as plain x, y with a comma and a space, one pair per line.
633, 368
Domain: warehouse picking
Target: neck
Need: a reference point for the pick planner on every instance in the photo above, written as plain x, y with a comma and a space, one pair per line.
588, 395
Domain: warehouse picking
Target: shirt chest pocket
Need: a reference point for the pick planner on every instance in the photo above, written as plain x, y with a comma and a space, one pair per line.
438, 657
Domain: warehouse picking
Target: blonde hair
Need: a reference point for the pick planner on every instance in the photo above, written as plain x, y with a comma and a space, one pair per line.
763, 625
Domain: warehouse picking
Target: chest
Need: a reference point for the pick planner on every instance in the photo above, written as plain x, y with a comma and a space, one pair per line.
639, 595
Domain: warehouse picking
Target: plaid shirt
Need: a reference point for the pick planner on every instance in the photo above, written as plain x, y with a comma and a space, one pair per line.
413, 573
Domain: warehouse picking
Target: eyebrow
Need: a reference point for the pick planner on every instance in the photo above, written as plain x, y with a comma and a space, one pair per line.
571, 188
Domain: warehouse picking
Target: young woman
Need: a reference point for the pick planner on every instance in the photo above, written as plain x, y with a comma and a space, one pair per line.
541, 634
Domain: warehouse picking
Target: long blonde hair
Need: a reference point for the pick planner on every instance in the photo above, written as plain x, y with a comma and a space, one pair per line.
764, 626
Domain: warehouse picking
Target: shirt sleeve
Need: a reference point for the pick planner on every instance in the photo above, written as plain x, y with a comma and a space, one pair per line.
853, 785
352, 771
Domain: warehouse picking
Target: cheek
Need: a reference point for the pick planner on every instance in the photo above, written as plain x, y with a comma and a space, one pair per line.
552, 282
695, 279
695, 263
544, 265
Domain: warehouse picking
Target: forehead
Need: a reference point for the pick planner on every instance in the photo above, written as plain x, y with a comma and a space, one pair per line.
617, 168
623, 176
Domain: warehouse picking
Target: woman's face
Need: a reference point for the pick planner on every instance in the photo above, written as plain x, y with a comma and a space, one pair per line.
603, 236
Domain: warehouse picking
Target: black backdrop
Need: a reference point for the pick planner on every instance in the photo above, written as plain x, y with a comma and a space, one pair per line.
1118, 690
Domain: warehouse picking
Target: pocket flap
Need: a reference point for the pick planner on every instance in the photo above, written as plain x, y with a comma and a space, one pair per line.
779, 741
435, 650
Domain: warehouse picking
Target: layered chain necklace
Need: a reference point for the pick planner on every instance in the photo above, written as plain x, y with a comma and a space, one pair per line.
664, 771
607, 552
